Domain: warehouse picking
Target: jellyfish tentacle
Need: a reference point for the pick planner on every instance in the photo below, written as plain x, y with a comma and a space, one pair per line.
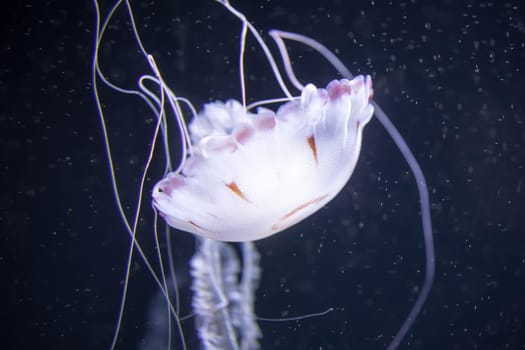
261, 43
417, 172
155, 103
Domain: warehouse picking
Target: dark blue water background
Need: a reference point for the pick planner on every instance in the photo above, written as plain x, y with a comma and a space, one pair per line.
450, 75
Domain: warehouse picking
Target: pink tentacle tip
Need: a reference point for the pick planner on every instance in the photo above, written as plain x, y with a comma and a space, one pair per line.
265, 122
170, 184
244, 133
337, 88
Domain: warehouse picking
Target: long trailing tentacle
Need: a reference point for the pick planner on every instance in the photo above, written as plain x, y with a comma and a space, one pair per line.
156, 104
426, 220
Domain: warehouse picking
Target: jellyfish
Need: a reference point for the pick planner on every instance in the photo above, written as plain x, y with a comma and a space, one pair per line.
248, 172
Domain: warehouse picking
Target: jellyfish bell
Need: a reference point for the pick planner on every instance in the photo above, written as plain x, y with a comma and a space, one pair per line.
252, 175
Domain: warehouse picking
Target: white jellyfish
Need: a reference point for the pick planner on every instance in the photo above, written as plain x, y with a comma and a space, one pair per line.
248, 172
252, 175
